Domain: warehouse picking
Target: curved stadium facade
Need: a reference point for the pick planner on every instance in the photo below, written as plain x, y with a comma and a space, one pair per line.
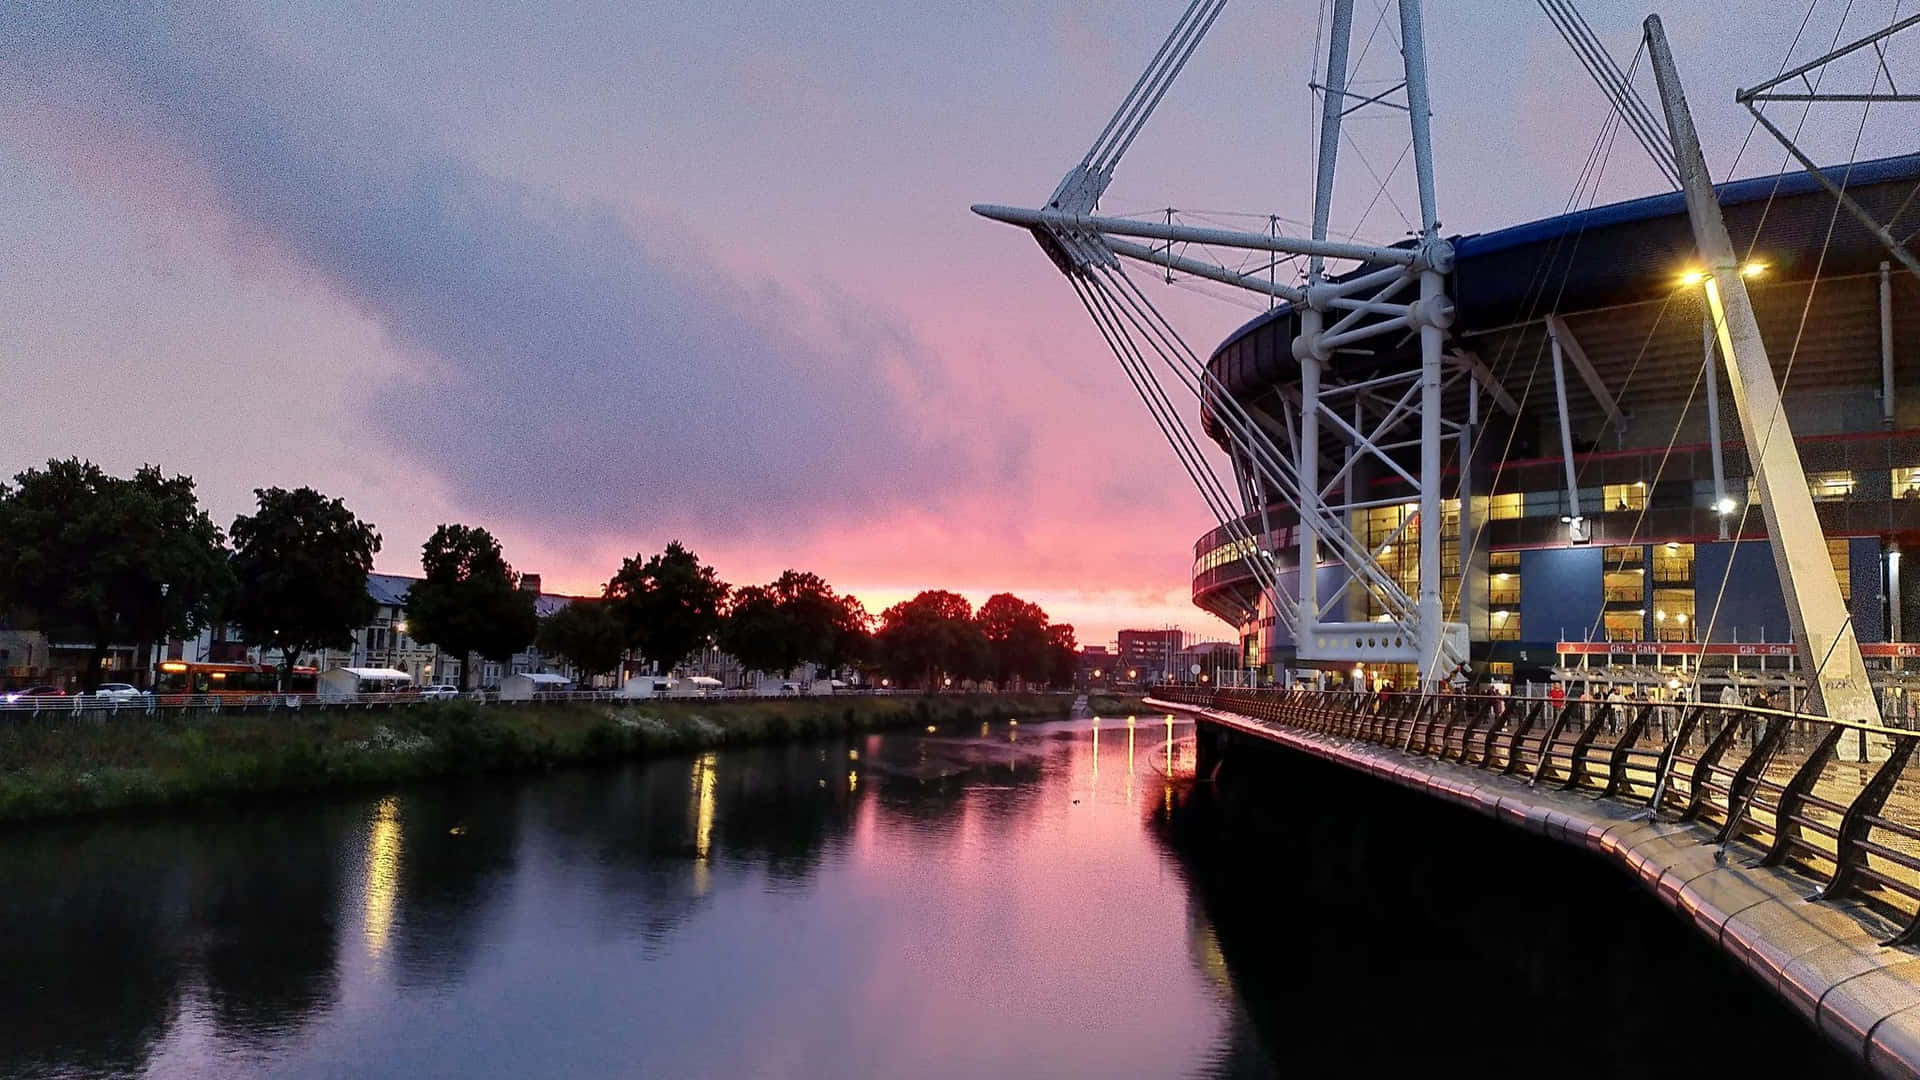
1675, 562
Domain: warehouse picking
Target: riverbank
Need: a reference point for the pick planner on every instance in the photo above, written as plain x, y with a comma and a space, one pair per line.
90, 767
1119, 704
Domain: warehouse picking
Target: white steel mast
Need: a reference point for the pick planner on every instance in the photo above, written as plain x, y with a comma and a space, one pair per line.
1392, 412
1816, 613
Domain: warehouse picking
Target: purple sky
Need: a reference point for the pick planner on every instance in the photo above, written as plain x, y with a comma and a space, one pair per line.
601, 275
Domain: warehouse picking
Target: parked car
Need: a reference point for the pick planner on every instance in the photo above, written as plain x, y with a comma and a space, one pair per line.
33, 692
440, 692
119, 691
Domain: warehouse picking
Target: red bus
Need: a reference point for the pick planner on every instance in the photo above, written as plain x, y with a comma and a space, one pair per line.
230, 680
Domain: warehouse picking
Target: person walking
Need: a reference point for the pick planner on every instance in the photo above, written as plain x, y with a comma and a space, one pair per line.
1729, 697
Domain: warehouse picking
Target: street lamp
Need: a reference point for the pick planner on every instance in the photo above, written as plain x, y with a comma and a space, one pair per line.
165, 587
393, 641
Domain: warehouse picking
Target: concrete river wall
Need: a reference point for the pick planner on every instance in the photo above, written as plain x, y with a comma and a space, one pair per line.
1775, 837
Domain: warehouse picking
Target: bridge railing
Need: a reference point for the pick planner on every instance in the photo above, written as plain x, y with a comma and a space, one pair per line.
1838, 802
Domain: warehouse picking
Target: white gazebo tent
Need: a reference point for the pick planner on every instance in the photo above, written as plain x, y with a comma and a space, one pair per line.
343, 683
522, 686
694, 686
645, 686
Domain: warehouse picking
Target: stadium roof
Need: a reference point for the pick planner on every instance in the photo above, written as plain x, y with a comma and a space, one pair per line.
1614, 273
1507, 260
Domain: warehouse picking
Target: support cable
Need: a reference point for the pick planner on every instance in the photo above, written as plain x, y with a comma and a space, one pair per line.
1746, 505
1144, 106
1200, 381
1883, 233
1591, 171
1208, 484
1129, 104
1206, 387
1617, 87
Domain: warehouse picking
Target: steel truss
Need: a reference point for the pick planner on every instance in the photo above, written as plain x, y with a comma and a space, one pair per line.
1398, 290
1754, 97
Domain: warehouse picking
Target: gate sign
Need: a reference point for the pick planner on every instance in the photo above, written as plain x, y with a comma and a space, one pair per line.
1901, 649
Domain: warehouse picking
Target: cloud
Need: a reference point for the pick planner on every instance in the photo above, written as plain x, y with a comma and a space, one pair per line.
568, 366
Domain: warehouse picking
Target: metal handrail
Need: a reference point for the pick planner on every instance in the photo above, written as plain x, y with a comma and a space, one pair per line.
1849, 821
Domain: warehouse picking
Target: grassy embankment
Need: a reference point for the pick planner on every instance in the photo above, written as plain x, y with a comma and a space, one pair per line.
1117, 704
82, 766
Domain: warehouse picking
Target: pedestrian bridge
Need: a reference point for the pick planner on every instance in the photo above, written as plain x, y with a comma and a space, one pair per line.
1791, 840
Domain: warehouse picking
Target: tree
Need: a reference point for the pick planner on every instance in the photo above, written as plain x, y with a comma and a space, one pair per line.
300, 565
795, 619
758, 632
471, 600
1016, 634
105, 558
852, 639
586, 634
670, 605
1063, 654
929, 638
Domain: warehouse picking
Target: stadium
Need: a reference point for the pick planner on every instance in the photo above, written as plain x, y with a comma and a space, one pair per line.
1607, 519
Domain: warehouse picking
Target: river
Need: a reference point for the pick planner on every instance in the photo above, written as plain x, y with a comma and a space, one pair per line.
1005, 900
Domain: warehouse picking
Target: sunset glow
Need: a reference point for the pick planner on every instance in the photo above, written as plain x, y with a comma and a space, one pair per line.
602, 282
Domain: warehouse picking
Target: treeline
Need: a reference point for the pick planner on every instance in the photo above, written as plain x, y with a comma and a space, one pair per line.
107, 559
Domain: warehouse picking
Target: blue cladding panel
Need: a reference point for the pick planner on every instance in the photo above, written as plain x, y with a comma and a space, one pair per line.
1752, 606
1560, 590
1864, 570
1330, 579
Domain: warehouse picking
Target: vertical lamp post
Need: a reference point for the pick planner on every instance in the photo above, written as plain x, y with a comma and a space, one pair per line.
165, 587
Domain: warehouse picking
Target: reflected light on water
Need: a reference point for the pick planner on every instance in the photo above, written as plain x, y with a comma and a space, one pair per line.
383, 874
1129, 761
703, 783
1206, 954
1093, 785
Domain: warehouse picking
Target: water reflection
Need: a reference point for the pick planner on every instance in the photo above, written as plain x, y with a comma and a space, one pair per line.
112, 937
1093, 782
703, 781
1367, 943
382, 873
908, 904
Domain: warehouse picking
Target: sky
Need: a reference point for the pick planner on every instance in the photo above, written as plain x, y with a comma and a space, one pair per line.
598, 275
